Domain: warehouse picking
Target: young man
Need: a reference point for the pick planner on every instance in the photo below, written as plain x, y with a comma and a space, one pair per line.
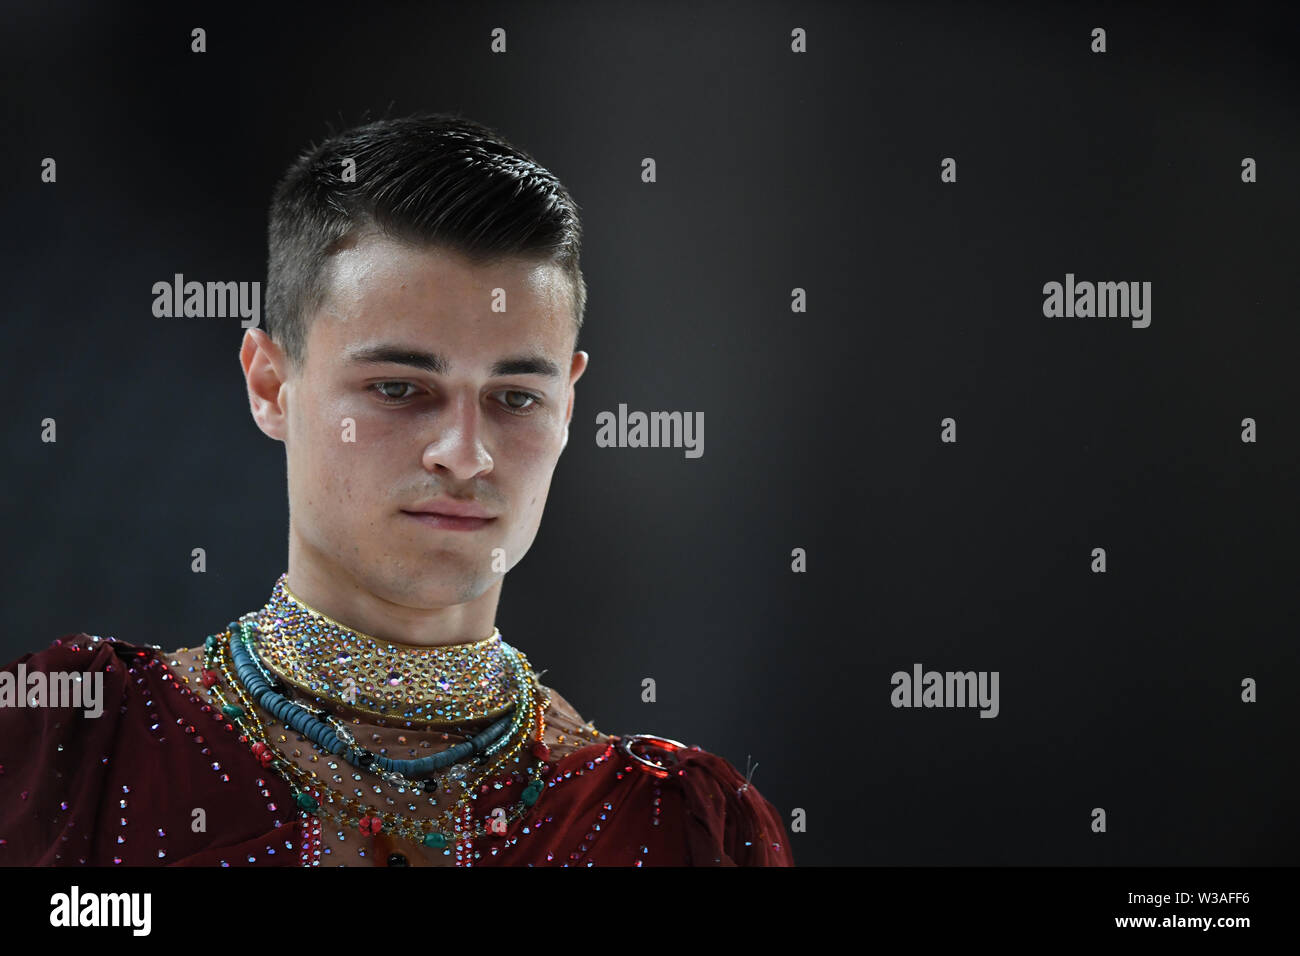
424, 300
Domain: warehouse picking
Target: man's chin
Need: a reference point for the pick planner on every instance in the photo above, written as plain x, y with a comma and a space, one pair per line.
435, 590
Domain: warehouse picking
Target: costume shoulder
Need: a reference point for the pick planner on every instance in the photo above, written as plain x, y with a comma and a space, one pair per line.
102, 758
728, 822
643, 800
60, 712
653, 801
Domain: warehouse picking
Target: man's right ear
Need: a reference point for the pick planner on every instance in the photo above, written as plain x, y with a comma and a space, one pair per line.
265, 373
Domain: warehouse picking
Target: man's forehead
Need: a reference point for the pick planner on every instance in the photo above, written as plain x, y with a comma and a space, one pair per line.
378, 265
391, 296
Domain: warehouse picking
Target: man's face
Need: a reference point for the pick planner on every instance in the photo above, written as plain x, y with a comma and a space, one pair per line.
371, 438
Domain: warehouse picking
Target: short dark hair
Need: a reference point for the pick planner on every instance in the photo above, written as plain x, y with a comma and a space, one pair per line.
431, 179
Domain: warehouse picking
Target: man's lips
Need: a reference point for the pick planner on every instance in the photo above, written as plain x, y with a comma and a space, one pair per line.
449, 522
450, 506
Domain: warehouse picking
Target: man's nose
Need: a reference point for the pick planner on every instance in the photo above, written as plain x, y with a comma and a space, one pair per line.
457, 445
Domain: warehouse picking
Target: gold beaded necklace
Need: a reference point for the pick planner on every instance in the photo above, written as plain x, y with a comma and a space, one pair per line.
439, 686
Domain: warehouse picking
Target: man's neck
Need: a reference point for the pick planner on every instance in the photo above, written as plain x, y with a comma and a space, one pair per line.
348, 601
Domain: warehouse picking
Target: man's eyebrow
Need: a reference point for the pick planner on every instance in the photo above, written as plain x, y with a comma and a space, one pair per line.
438, 364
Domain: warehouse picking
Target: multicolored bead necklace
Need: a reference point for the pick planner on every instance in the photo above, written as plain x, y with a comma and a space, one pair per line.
309, 791
232, 659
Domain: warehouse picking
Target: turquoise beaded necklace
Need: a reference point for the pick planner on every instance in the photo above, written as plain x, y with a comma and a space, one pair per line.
254, 682
325, 737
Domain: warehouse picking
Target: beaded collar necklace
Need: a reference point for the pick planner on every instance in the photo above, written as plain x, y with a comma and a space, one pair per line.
288, 642
430, 686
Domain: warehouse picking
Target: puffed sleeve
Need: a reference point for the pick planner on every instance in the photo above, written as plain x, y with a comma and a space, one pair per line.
728, 823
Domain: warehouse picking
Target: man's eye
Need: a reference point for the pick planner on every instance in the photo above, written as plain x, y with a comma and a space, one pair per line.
532, 400
381, 388
515, 402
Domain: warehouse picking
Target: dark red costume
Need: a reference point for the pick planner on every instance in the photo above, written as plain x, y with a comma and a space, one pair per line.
123, 787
